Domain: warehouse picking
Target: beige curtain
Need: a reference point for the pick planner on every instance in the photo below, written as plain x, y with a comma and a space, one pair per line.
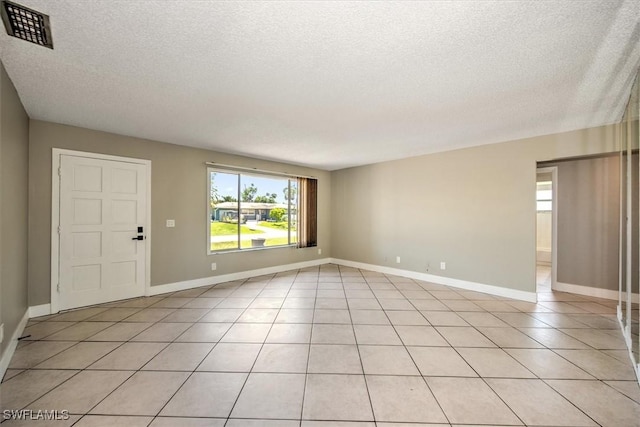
307, 212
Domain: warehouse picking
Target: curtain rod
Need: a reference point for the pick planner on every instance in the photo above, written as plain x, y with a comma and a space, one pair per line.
240, 168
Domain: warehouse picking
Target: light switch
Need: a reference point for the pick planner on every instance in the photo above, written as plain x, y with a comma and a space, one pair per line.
171, 223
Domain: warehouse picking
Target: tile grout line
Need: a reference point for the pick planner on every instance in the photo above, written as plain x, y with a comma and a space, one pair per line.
306, 372
544, 381
259, 351
355, 338
174, 341
407, 350
72, 376
134, 372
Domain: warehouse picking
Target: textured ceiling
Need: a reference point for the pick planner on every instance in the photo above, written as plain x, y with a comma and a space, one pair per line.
329, 84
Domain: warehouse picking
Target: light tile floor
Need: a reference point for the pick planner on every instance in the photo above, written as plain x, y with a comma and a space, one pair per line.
328, 346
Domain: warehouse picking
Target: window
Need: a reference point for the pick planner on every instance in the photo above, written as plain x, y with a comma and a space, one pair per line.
252, 210
544, 196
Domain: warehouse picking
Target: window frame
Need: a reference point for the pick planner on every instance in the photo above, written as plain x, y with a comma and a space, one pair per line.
240, 173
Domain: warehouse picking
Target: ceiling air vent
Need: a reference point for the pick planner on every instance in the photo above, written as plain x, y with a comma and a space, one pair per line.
26, 24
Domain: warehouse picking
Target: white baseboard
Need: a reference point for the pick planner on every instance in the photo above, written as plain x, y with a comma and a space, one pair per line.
214, 280
588, 291
543, 256
39, 310
462, 284
447, 281
11, 348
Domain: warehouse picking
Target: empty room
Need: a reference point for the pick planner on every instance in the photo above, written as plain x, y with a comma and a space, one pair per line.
319, 213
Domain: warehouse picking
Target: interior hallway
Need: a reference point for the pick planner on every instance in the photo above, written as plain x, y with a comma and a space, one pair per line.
543, 278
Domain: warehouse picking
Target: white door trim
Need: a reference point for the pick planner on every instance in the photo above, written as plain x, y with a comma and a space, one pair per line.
55, 216
554, 222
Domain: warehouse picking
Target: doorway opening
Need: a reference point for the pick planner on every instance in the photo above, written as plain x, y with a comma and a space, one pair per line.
546, 228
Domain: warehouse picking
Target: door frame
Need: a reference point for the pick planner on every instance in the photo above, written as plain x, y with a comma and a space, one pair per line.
55, 216
554, 223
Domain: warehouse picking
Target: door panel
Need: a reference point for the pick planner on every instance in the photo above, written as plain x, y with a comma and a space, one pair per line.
102, 204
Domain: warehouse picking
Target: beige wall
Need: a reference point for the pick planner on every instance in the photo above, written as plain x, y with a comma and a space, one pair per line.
472, 208
588, 203
179, 191
14, 146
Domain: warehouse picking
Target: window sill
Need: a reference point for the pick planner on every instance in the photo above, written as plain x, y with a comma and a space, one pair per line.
265, 248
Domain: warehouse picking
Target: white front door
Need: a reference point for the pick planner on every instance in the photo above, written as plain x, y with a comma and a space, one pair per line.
103, 210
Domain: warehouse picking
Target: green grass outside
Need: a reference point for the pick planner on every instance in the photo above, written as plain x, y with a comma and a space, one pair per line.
227, 229
277, 225
277, 241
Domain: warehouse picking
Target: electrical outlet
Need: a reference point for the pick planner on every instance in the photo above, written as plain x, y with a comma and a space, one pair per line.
397, 260
443, 265
319, 251
214, 266
171, 223
1, 333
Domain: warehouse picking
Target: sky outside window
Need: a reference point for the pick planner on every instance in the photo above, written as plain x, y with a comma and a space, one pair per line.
227, 185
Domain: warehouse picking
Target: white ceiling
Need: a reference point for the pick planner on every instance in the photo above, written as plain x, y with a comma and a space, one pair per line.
329, 84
